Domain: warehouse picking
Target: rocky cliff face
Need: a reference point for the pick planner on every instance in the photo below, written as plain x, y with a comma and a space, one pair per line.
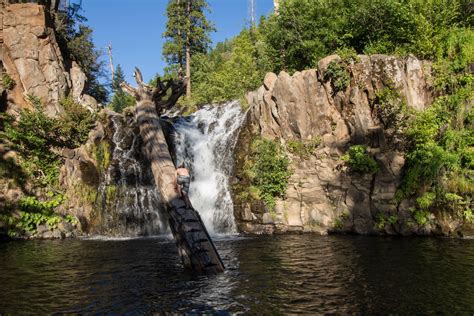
109, 184
31, 65
32, 58
323, 195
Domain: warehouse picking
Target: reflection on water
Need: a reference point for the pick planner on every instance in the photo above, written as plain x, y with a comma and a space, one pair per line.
280, 274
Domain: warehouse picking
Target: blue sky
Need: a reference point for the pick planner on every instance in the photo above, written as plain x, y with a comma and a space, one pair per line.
135, 28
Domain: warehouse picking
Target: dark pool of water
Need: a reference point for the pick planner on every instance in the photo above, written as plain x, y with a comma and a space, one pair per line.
267, 275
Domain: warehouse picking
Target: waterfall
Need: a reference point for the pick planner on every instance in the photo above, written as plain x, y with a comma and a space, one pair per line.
128, 203
205, 141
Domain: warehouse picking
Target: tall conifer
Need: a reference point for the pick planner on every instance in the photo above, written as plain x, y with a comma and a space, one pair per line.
187, 33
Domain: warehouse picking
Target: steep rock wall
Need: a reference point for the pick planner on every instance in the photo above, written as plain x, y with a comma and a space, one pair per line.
323, 195
108, 181
30, 55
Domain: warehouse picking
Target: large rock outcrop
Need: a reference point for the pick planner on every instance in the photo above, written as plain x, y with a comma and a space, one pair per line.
32, 58
323, 194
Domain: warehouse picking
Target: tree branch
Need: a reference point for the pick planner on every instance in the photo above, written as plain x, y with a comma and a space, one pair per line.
128, 89
158, 94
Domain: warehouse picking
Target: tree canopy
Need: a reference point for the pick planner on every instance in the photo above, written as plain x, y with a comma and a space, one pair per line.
187, 33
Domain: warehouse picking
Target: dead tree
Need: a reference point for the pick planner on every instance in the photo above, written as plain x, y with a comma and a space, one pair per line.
195, 246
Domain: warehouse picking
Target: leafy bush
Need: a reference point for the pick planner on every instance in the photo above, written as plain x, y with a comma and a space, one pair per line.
267, 169
359, 161
421, 216
302, 148
75, 123
33, 213
37, 138
7, 81
383, 220
391, 109
337, 71
231, 69
31, 204
440, 155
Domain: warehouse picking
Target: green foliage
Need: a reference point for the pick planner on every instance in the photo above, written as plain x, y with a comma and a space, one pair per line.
33, 137
120, 100
305, 31
359, 160
339, 221
422, 213
31, 204
75, 41
231, 69
453, 59
28, 222
421, 217
33, 213
187, 27
391, 109
267, 169
383, 220
7, 81
102, 154
37, 137
71, 219
426, 200
337, 71
440, 157
304, 148
75, 123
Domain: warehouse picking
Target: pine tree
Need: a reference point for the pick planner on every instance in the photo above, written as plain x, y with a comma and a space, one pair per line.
120, 100
187, 33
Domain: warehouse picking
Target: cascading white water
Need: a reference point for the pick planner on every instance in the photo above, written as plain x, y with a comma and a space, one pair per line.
129, 201
206, 141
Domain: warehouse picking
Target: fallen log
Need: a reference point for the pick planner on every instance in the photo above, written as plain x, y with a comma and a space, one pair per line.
195, 246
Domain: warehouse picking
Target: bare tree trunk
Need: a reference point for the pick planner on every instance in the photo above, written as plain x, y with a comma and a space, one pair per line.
111, 62
188, 55
194, 243
188, 72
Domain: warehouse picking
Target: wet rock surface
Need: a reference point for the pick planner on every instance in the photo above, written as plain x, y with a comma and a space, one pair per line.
108, 181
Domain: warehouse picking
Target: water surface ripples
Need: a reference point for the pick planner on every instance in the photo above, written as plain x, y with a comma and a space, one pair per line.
266, 275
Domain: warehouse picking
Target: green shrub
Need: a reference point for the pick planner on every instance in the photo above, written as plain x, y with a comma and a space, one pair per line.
34, 212
31, 204
37, 138
7, 81
391, 109
34, 136
383, 220
426, 200
29, 222
71, 219
267, 169
75, 123
421, 216
359, 161
338, 72
302, 148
